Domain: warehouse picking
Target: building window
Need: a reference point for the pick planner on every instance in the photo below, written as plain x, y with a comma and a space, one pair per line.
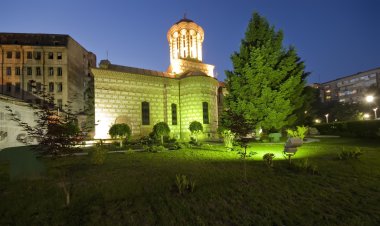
51, 86
9, 54
37, 55
18, 55
30, 86
145, 113
59, 71
29, 55
59, 87
59, 56
174, 114
50, 55
29, 71
51, 71
38, 86
9, 71
8, 87
18, 71
205, 113
17, 87
38, 71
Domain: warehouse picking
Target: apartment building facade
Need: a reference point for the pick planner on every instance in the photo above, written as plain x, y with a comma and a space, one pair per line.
32, 62
352, 88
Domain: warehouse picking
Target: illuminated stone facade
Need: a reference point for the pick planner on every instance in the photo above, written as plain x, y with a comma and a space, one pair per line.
141, 98
185, 44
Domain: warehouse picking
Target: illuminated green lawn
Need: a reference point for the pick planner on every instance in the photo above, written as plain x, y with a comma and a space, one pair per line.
138, 189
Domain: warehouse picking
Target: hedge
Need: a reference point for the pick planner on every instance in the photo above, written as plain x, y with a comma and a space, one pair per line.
363, 129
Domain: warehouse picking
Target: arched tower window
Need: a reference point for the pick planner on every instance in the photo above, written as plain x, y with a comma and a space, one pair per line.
206, 119
145, 113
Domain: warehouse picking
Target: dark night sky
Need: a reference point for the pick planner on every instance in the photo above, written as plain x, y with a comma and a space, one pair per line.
334, 37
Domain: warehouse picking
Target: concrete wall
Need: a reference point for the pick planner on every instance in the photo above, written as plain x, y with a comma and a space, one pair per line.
10, 132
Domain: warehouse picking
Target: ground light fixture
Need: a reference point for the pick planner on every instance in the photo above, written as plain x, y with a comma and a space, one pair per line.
366, 116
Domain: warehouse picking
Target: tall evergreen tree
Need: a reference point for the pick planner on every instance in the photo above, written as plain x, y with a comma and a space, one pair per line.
267, 82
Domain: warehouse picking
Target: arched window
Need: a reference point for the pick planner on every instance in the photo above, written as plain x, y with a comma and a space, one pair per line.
145, 113
206, 119
174, 114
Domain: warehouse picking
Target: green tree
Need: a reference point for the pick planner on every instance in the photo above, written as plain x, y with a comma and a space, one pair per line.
265, 87
161, 129
55, 129
195, 128
120, 131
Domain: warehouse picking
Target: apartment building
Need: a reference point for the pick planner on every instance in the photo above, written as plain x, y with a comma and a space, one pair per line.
31, 62
352, 88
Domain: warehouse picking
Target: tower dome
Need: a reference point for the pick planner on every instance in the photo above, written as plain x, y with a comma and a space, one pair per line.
185, 40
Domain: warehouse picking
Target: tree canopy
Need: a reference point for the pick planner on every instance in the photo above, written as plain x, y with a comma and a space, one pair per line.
266, 85
195, 128
55, 128
161, 129
120, 131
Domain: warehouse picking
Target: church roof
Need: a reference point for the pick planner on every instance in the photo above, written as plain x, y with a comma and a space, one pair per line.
184, 20
133, 70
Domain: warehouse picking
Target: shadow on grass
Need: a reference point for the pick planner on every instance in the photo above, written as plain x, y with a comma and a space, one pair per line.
23, 163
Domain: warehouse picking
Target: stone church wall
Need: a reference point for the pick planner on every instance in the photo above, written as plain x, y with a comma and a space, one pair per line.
118, 98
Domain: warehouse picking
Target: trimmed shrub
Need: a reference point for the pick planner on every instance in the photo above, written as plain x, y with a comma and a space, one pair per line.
98, 155
360, 129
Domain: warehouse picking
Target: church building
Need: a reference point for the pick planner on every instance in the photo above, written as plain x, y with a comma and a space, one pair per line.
186, 92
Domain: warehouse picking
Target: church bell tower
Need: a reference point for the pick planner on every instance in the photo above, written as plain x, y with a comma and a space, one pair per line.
185, 45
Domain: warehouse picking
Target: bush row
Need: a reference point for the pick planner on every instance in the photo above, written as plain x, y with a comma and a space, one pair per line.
363, 129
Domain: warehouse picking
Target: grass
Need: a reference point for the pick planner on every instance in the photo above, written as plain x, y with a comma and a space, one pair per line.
138, 188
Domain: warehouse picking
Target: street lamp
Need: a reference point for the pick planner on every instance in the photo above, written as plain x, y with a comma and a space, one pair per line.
369, 98
327, 118
375, 110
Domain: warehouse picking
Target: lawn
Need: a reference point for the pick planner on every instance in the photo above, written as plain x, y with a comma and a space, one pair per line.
138, 188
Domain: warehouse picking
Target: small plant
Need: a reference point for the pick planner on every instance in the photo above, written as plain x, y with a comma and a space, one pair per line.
194, 142
300, 132
154, 148
304, 166
345, 155
228, 138
66, 183
98, 155
268, 158
184, 184
244, 155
